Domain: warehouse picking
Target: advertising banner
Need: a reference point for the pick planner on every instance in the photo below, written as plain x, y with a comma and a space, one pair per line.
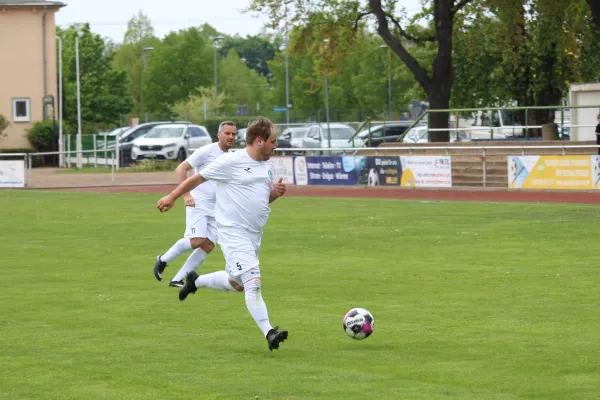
426, 171
12, 174
284, 168
325, 171
554, 172
378, 170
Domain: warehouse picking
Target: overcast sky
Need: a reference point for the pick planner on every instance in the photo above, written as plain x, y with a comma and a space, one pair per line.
109, 17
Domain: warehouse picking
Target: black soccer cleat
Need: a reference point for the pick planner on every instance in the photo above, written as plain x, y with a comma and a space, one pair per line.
189, 286
159, 268
274, 337
176, 283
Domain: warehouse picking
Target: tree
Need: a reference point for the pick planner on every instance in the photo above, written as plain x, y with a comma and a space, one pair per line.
541, 43
104, 96
179, 66
256, 50
595, 9
244, 85
436, 81
139, 29
130, 56
201, 106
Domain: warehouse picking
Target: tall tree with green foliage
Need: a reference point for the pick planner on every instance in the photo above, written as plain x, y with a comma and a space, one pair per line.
130, 56
257, 50
244, 85
402, 35
178, 67
104, 95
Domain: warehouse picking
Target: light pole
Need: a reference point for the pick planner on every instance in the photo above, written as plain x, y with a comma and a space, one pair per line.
383, 46
145, 52
327, 102
215, 61
61, 156
214, 39
78, 145
287, 71
287, 83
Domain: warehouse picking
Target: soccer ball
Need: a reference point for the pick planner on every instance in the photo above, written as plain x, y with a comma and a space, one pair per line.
359, 323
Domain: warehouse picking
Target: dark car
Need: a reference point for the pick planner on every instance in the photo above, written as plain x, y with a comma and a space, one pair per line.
384, 133
127, 137
291, 138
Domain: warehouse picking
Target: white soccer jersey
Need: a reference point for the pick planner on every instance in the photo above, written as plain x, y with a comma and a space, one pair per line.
204, 195
243, 189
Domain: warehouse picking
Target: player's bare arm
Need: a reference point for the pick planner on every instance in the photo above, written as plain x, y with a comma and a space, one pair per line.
278, 190
182, 174
167, 202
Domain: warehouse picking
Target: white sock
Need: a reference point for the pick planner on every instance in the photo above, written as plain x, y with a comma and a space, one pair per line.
180, 247
217, 280
257, 306
191, 264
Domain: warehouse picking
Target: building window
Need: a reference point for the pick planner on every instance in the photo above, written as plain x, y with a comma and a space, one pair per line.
21, 110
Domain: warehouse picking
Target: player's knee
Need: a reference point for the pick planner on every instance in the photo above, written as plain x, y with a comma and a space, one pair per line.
202, 243
253, 286
236, 286
207, 246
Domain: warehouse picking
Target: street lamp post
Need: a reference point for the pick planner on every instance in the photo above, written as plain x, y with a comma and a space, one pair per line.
287, 70
327, 102
214, 39
389, 68
145, 51
78, 83
61, 156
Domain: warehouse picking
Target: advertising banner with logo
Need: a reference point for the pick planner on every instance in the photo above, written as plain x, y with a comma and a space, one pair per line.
284, 168
12, 174
378, 170
554, 172
410, 171
426, 171
325, 171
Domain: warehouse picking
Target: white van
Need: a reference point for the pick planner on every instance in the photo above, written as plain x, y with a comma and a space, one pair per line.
502, 123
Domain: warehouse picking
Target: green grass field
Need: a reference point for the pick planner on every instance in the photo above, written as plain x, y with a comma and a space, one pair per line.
471, 301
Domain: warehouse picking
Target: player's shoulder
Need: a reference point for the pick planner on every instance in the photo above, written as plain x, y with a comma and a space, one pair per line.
203, 150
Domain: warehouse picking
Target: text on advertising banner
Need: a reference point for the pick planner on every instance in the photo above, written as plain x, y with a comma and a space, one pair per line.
426, 171
284, 168
554, 172
325, 171
12, 174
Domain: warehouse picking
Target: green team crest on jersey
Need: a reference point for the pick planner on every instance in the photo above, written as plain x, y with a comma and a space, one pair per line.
270, 175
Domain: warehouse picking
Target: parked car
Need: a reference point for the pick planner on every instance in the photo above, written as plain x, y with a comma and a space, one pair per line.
420, 134
128, 134
316, 137
170, 142
291, 138
384, 133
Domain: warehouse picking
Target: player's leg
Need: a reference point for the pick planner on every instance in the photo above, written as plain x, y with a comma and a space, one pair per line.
243, 268
216, 280
202, 233
180, 247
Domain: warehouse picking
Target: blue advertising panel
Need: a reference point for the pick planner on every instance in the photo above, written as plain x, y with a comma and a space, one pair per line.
325, 171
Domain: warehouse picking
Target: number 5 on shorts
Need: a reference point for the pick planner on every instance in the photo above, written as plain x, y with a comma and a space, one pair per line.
237, 264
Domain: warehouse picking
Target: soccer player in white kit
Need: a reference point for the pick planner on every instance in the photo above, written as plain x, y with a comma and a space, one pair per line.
245, 187
200, 228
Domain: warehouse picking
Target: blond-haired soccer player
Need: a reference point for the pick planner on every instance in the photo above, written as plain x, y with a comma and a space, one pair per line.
245, 188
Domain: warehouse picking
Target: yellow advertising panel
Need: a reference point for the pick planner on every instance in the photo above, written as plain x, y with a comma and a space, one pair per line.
554, 172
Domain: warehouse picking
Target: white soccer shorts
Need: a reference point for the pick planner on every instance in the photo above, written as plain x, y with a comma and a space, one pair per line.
198, 224
241, 256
